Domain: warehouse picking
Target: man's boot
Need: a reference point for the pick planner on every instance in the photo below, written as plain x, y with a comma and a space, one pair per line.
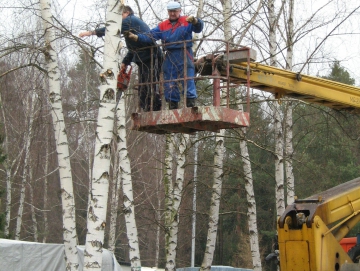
190, 102
173, 105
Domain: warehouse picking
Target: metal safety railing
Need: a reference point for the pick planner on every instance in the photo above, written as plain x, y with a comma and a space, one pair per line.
206, 68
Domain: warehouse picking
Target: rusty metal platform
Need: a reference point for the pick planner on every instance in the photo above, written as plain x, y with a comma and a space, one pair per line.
189, 120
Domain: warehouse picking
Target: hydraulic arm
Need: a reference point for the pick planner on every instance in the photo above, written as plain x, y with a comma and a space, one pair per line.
237, 63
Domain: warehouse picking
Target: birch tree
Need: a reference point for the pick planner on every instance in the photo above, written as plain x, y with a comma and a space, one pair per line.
27, 138
46, 199
278, 131
173, 208
97, 210
218, 165
32, 208
193, 218
215, 202
250, 197
196, 154
158, 218
66, 182
290, 182
9, 164
127, 187
168, 186
114, 200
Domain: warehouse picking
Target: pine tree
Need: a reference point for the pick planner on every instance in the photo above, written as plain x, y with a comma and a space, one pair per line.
339, 74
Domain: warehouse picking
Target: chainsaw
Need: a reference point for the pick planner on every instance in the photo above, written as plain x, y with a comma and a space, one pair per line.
123, 79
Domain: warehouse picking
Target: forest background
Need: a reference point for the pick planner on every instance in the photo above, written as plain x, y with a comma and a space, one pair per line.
326, 142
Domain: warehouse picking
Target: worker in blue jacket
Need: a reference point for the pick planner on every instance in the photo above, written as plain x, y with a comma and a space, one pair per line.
141, 57
175, 28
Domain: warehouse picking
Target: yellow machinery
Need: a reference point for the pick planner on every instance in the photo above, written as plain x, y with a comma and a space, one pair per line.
310, 230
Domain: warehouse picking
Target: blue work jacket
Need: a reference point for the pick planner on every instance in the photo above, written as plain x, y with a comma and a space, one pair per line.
168, 31
136, 53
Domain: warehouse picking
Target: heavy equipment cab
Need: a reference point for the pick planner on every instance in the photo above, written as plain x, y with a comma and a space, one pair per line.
310, 230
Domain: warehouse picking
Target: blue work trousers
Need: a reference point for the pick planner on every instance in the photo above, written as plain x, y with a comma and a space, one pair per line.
173, 68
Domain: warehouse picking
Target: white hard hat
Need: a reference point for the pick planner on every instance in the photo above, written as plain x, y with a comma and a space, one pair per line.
173, 5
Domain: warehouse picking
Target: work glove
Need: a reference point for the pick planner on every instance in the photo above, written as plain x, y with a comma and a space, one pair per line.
131, 36
192, 19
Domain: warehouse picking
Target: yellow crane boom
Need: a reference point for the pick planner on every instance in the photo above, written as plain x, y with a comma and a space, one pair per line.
282, 82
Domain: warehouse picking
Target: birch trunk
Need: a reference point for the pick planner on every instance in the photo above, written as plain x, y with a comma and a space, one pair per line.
115, 190
193, 218
8, 199
215, 202
168, 192
33, 214
158, 218
196, 149
8, 165
97, 210
251, 203
62, 148
128, 203
279, 163
176, 200
114, 203
279, 141
218, 164
46, 169
32, 207
27, 141
290, 182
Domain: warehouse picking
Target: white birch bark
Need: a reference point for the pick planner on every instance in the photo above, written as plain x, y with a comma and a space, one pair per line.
176, 200
8, 167
46, 169
8, 199
198, 15
215, 202
250, 197
290, 181
97, 210
114, 203
289, 172
279, 140
279, 162
7, 176
31, 190
62, 148
251, 204
169, 150
196, 153
218, 164
27, 140
128, 203
115, 190
193, 218
158, 217
32, 208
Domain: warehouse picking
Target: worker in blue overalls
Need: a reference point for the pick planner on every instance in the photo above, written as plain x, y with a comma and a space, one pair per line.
176, 28
139, 53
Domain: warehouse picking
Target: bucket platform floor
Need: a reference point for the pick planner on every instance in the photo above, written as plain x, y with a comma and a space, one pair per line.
189, 120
